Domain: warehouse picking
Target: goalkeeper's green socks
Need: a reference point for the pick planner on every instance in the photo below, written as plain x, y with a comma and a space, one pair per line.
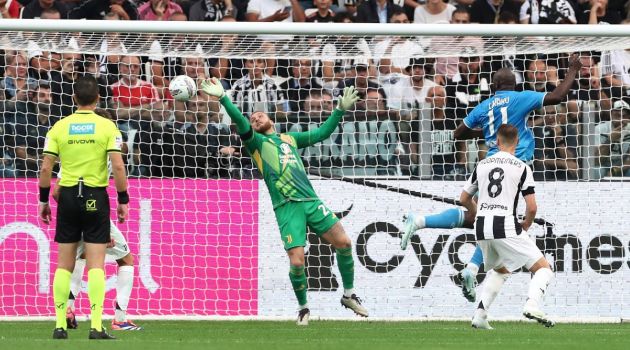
96, 292
61, 291
298, 281
346, 269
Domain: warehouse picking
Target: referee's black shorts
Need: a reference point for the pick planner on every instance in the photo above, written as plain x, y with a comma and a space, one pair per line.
83, 217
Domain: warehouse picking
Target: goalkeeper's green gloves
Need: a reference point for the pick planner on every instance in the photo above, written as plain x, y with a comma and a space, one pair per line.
348, 99
213, 87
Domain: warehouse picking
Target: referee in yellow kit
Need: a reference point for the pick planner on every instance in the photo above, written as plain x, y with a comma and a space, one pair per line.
82, 142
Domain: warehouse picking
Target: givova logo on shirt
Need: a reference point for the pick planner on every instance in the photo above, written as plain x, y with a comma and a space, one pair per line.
82, 129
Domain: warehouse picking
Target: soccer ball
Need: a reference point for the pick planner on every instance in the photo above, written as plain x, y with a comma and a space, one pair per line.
182, 88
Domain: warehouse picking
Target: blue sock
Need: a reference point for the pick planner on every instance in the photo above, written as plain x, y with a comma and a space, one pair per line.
477, 257
450, 218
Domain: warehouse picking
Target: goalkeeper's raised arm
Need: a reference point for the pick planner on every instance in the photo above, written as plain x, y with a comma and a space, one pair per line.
214, 88
308, 138
261, 123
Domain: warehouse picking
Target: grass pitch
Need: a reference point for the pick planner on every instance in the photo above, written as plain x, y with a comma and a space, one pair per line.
322, 335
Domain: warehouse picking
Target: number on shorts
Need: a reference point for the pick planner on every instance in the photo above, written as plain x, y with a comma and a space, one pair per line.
495, 187
324, 209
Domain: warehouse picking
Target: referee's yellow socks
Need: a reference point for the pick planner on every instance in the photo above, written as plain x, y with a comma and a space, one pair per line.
96, 292
61, 291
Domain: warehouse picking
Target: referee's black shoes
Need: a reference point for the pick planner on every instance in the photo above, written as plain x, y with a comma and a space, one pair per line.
94, 334
60, 333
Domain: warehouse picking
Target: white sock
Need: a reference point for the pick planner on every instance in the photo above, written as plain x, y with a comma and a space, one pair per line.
305, 306
124, 285
70, 304
420, 222
75, 280
473, 268
491, 287
538, 284
348, 292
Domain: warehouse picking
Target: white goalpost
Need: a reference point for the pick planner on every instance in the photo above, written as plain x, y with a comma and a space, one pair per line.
202, 226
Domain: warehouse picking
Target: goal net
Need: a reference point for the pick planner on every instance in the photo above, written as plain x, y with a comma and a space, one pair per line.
202, 227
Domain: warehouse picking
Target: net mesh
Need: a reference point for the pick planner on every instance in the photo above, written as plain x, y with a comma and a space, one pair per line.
202, 226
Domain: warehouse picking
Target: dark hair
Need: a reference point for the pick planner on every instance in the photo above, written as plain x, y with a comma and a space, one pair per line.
507, 17
86, 90
103, 113
340, 17
508, 134
461, 9
397, 11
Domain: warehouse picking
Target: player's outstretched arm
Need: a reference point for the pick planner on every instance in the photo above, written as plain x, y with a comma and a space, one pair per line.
463, 132
560, 92
214, 88
305, 139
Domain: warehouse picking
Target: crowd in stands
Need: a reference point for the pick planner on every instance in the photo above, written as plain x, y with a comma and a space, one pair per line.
402, 125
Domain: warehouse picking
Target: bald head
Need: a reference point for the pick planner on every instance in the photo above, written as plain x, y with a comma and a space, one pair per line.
504, 79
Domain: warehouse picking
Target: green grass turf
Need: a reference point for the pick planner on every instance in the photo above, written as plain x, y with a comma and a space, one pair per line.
324, 335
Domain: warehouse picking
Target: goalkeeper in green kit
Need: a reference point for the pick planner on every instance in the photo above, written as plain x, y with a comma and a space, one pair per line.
294, 201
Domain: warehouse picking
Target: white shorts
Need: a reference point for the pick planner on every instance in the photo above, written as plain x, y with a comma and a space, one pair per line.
118, 251
511, 253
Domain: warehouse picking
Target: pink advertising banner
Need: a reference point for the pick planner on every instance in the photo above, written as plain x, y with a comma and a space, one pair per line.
194, 242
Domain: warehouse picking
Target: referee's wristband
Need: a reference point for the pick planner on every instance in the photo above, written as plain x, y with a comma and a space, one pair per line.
44, 192
123, 197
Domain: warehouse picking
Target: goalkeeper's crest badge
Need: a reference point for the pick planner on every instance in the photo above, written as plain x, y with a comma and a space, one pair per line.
286, 149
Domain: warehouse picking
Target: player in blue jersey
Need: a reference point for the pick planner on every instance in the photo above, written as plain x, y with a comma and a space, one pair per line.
506, 106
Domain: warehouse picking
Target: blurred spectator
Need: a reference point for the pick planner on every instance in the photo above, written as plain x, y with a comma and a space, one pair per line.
97, 9
322, 12
33, 120
16, 81
409, 93
586, 88
227, 69
547, 12
447, 67
61, 85
556, 147
164, 63
615, 67
394, 52
363, 84
134, 98
375, 105
158, 10
10, 9
318, 106
211, 10
41, 51
257, 92
596, 12
274, 11
447, 156
35, 8
330, 71
469, 87
109, 57
351, 8
433, 11
613, 151
488, 11
536, 77
300, 84
376, 11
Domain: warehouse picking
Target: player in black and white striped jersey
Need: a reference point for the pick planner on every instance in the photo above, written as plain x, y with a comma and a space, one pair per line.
499, 179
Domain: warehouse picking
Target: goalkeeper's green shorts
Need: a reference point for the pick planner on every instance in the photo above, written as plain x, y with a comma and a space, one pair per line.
294, 217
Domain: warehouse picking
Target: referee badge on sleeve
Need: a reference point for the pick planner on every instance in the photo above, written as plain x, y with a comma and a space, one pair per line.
118, 142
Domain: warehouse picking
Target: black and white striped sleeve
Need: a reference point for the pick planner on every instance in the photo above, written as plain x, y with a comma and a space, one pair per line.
528, 182
472, 185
